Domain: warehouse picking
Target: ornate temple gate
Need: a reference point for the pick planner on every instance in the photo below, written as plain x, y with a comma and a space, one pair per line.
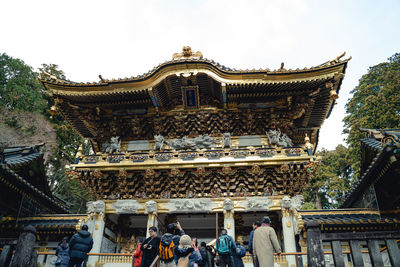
192, 138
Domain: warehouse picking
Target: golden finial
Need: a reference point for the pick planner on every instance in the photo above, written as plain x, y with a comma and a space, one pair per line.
187, 53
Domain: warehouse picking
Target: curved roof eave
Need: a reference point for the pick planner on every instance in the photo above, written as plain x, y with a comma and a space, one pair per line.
214, 70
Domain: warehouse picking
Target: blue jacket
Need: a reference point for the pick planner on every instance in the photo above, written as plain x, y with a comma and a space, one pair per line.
250, 248
237, 257
183, 252
63, 254
80, 244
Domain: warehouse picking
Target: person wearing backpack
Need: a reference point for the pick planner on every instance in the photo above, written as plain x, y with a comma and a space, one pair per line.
226, 247
169, 241
240, 253
205, 255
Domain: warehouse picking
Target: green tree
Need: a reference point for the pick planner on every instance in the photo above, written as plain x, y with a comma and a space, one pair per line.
375, 104
331, 181
68, 142
19, 86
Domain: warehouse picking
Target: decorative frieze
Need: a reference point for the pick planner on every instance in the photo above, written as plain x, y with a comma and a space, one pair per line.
126, 206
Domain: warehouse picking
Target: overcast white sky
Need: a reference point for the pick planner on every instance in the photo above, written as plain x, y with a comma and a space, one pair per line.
127, 38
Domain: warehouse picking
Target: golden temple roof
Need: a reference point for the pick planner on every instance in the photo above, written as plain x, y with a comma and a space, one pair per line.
184, 65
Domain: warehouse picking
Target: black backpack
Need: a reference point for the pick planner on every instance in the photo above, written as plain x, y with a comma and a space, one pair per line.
204, 257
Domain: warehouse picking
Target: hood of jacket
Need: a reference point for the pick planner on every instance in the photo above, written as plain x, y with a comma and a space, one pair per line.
84, 233
166, 239
183, 252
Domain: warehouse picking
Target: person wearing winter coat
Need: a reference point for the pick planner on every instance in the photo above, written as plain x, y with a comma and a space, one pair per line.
150, 247
265, 242
186, 254
206, 255
237, 257
138, 254
173, 234
62, 253
256, 224
80, 244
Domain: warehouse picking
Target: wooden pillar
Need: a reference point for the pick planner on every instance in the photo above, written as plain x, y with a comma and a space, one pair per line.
315, 252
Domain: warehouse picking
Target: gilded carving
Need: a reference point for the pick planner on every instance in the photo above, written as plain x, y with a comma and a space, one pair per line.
187, 53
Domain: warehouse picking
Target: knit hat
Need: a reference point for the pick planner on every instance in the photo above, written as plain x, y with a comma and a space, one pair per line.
185, 241
266, 219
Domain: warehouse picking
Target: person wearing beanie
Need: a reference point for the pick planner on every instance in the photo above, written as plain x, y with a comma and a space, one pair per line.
185, 253
265, 242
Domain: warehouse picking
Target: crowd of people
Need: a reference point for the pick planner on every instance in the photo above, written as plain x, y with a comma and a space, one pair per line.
175, 248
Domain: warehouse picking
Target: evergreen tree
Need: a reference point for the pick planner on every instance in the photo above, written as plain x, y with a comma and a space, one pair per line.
375, 104
331, 181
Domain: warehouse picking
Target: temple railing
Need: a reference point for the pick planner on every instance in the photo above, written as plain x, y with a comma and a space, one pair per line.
185, 156
365, 248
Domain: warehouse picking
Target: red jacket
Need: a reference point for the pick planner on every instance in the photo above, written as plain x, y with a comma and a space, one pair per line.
138, 256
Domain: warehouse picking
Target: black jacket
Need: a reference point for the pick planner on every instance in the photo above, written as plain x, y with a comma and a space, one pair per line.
80, 244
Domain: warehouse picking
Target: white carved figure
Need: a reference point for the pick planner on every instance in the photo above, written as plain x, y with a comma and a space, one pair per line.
125, 206
228, 204
259, 203
275, 137
113, 146
96, 207
203, 141
290, 206
297, 202
191, 204
151, 206
226, 140
158, 142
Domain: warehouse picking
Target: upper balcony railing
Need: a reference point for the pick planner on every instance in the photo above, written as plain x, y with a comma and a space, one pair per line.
243, 154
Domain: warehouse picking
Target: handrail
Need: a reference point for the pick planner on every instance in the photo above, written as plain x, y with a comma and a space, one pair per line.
129, 254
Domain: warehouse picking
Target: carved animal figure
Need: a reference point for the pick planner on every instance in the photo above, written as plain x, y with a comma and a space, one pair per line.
95, 206
275, 137
158, 142
113, 146
151, 206
228, 204
226, 140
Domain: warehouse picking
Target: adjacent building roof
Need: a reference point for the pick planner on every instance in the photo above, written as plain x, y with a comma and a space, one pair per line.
379, 168
351, 219
22, 175
54, 224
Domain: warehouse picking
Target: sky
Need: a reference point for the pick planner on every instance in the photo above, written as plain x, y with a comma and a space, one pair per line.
126, 38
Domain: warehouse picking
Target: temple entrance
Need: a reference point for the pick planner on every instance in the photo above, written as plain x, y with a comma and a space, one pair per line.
200, 225
125, 229
244, 222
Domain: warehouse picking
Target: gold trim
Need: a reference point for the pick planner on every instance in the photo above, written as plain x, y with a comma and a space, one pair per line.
263, 77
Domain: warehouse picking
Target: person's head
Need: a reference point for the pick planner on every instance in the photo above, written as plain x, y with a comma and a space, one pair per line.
203, 244
139, 240
237, 244
153, 231
194, 242
266, 220
185, 241
65, 239
84, 227
224, 232
256, 224
171, 228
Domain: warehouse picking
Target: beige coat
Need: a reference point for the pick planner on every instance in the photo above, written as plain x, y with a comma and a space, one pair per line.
264, 244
